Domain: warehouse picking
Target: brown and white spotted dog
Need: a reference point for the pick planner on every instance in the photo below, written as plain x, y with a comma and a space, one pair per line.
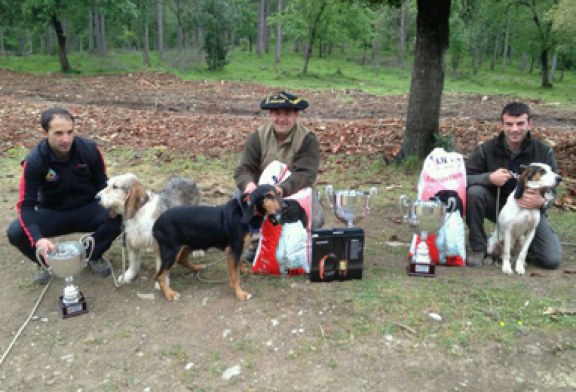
125, 195
517, 225
181, 230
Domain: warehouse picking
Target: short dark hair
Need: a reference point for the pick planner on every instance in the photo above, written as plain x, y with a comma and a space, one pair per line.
48, 115
516, 109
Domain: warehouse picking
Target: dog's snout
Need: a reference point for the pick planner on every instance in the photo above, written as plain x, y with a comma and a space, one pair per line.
558, 179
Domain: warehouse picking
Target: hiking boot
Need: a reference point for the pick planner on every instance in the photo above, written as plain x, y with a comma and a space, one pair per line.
475, 260
101, 266
42, 277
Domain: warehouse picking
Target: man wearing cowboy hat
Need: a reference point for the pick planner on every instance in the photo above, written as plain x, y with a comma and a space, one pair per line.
283, 139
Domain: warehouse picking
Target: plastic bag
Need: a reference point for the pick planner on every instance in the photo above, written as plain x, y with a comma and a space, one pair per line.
443, 172
284, 249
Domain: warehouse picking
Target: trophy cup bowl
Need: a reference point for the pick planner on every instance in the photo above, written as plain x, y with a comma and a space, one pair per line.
349, 206
68, 260
424, 217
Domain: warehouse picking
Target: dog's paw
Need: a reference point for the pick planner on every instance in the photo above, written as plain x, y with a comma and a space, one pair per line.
172, 295
506, 269
520, 270
126, 277
242, 295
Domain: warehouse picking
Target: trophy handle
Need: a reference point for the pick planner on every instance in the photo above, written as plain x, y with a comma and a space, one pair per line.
329, 195
405, 208
41, 261
88, 241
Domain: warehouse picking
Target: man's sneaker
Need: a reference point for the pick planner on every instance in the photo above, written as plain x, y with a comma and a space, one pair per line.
101, 266
42, 277
475, 259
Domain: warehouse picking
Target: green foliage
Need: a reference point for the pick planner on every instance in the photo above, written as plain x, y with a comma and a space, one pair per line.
444, 141
214, 44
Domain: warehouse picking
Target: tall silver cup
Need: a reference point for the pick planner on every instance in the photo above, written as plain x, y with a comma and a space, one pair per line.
65, 262
424, 217
349, 206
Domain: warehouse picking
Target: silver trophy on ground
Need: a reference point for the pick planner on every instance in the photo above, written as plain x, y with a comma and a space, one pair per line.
424, 217
65, 262
349, 206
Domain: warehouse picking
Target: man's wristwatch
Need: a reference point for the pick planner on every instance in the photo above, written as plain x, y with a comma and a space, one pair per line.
547, 204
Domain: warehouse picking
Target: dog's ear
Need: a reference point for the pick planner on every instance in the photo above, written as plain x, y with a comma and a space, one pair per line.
136, 198
521, 184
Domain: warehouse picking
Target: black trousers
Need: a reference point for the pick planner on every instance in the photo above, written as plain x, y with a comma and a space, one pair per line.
89, 218
545, 249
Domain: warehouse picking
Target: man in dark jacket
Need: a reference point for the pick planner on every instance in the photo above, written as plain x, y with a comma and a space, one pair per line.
492, 166
282, 139
60, 179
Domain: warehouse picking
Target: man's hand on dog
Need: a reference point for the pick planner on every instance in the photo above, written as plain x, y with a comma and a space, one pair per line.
531, 199
499, 177
251, 186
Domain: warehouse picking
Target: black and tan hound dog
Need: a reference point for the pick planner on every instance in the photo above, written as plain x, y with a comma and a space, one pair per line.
180, 230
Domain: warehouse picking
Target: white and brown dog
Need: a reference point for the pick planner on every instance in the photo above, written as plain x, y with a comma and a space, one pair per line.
516, 226
126, 196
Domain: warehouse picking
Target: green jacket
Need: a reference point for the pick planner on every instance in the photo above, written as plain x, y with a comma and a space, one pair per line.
300, 151
495, 154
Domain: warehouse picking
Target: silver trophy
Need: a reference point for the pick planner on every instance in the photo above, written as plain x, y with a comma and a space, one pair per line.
65, 262
424, 217
349, 206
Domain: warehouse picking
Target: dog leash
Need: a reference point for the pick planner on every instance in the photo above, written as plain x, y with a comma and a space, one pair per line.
515, 176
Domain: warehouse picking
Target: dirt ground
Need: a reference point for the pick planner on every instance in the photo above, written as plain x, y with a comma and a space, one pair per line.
293, 334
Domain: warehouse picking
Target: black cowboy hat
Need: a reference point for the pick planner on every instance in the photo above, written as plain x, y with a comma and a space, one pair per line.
283, 100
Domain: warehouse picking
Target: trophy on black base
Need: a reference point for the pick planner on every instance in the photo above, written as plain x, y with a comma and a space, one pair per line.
424, 217
68, 260
338, 253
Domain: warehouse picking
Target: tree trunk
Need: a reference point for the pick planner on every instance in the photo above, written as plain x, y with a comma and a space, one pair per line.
312, 37
101, 33
544, 61
495, 51
423, 115
506, 37
160, 29
267, 32
143, 28
62, 54
50, 40
403, 34
261, 28
278, 46
91, 31
523, 62
474, 59
180, 37
554, 65
21, 41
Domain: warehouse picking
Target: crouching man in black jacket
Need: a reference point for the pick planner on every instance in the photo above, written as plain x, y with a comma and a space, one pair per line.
60, 179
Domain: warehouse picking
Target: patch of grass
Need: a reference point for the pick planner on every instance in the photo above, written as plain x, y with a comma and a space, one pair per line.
335, 72
177, 352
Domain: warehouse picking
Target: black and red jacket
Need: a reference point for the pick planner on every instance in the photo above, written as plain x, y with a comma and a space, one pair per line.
49, 182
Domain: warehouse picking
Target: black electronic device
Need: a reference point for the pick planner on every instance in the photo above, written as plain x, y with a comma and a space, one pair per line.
337, 254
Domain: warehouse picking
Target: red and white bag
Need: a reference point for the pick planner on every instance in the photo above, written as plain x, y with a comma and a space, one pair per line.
443, 171
284, 250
